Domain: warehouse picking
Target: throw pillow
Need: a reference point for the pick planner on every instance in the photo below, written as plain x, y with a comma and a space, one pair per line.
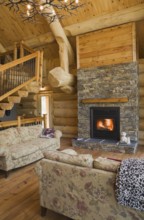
84, 160
106, 164
47, 133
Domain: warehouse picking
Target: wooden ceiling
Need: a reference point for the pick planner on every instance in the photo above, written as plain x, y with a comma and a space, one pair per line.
95, 8
13, 29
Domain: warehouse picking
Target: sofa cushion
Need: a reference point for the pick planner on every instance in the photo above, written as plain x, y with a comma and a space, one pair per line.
44, 143
85, 160
29, 132
106, 164
23, 149
9, 136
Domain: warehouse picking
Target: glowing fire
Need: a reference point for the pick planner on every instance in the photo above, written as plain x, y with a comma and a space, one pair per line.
105, 124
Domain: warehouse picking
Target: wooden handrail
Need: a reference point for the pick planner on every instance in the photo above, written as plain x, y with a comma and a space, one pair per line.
22, 121
19, 61
16, 88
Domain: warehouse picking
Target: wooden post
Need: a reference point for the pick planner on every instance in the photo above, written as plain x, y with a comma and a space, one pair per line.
19, 121
45, 120
15, 51
21, 49
41, 67
37, 66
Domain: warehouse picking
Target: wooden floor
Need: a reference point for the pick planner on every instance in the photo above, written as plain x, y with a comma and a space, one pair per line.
19, 195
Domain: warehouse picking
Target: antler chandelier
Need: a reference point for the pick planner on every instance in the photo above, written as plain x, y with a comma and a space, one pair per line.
51, 9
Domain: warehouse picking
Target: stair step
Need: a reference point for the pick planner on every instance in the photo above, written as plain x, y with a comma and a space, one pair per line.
14, 99
6, 105
21, 93
2, 113
33, 87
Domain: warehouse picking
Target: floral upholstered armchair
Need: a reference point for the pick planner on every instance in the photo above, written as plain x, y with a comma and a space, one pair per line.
71, 185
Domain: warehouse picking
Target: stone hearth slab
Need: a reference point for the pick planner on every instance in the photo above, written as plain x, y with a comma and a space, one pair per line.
106, 145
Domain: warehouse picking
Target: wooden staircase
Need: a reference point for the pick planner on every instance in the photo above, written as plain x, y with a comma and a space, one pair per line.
19, 79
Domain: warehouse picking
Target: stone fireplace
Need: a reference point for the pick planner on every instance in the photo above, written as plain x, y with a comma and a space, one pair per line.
108, 82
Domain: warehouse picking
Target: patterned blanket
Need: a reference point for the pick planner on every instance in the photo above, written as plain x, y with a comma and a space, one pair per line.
130, 183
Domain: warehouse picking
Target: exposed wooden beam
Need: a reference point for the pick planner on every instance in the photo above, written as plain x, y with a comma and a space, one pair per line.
37, 41
40, 40
134, 13
61, 38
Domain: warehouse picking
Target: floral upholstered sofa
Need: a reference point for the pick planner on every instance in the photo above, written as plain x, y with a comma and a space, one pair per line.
20, 146
74, 187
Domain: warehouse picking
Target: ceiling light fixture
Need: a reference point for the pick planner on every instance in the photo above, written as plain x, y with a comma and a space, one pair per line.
51, 9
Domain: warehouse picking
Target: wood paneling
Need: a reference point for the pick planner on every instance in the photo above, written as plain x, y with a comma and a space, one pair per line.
140, 37
108, 46
13, 29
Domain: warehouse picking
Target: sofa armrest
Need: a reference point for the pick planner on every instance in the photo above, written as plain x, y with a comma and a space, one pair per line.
38, 169
58, 134
4, 151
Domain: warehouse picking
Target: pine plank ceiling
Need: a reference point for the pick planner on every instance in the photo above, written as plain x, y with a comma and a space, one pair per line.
13, 29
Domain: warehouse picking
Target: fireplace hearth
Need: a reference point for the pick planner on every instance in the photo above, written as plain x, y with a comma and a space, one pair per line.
105, 123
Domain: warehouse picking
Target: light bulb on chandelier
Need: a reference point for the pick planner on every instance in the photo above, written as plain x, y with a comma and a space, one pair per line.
51, 9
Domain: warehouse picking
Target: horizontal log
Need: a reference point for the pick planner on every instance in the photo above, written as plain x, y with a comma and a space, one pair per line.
141, 101
27, 112
32, 104
65, 121
67, 113
31, 97
99, 100
141, 91
68, 89
67, 129
141, 135
64, 96
69, 135
65, 104
141, 125
141, 80
141, 113
141, 68
106, 20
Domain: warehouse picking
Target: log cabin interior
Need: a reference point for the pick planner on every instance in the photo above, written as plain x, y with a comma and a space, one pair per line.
65, 71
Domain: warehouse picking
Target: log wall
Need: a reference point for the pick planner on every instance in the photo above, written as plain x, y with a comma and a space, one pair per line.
108, 46
141, 101
65, 113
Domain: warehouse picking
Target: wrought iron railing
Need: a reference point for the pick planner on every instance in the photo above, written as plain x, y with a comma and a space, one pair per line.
18, 72
19, 51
